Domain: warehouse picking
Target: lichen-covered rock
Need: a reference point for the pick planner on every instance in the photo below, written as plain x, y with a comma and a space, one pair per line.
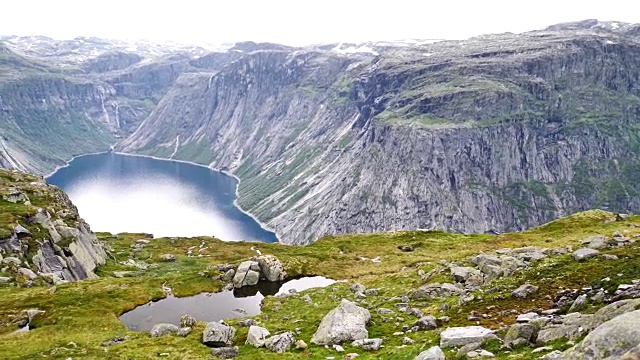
217, 334
345, 323
611, 339
280, 343
187, 321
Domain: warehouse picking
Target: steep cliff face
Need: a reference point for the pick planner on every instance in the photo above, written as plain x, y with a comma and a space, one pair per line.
41, 235
493, 133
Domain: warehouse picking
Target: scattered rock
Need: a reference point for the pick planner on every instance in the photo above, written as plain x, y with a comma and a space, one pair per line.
257, 336
357, 288
609, 257
426, 323
27, 273
338, 348
584, 254
11, 260
168, 257
578, 303
347, 322
460, 336
408, 341
405, 248
527, 317
368, 344
187, 321
528, 332
227, 352
351, 356
21, 231
554, 355
596, 242
371, 292
163, 329
184, 331
385, 311
218, 334
436, 290
524, 291
307, 299
301, 345
280, 343
115, 341
433, 353
247, 322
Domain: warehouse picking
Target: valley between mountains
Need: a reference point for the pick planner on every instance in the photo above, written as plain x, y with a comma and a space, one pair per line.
490, 134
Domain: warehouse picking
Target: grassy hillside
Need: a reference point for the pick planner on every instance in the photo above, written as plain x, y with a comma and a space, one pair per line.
80, 316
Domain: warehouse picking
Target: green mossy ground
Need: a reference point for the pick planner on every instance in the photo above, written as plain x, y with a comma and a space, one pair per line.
81, 316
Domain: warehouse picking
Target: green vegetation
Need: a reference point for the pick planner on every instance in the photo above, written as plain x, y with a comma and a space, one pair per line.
81, 316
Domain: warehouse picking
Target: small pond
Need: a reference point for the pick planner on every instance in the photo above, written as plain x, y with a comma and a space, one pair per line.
228, 304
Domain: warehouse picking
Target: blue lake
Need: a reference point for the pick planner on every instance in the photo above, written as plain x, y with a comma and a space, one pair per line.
120, 193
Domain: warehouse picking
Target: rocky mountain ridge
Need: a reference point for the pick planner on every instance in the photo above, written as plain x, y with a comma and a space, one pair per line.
489, 134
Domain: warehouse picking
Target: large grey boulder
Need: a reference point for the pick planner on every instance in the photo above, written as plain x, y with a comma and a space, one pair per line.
584, 254
218, 334
345, 323
246, 274
271, 268
460, 336
611, 339
257, 336
163, 329
280, 343
433, 353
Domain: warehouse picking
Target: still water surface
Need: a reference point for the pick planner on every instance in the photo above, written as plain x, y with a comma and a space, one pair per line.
119, 193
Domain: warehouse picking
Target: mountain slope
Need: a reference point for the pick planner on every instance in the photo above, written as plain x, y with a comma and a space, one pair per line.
495, 133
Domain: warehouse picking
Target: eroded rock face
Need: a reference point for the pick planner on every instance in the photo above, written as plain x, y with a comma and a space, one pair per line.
67, 251
345, 323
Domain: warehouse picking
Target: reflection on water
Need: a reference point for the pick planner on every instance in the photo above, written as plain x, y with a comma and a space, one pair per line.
118, 193
207, 307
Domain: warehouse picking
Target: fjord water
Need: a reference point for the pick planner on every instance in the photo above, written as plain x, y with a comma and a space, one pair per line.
121, 193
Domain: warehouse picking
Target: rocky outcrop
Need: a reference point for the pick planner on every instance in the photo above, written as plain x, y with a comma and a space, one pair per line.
65, 249
497, 133
250, 272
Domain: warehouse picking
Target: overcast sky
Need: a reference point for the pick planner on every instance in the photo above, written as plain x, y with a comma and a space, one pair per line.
297, 22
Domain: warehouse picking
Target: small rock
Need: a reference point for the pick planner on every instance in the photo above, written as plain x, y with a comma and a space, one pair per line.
433, 353
528, 332
541, 349
351, 356
426, 323
405, 248
227, 352
307, 299
357, 288
184, 331
584, 254
301, 345
228, 275
578, 303
11, 260
168, 257
524, 291
384, 311
338, 348
4, 279
408, 341
368, 344
554, 355
247, 322
371, 292
187, 321
163, 329
609, 257
460, 336
530, 316
280, 343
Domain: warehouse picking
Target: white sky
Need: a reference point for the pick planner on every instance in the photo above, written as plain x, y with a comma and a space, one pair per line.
297, 22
